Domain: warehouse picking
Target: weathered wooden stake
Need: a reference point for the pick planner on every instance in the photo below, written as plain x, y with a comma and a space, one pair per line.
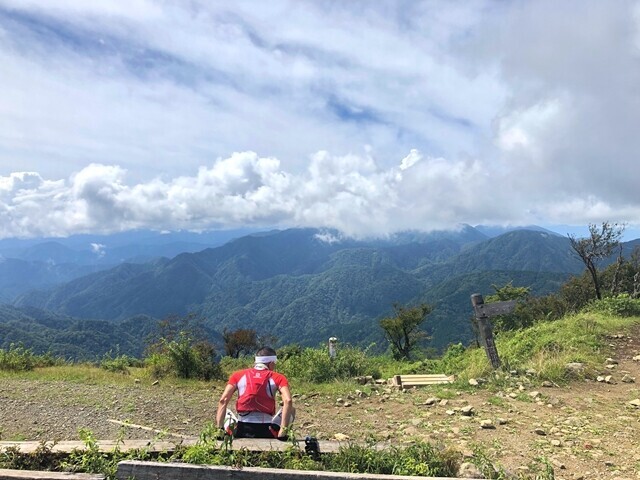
482, 313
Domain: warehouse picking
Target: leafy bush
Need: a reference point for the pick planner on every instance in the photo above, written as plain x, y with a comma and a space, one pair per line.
118, 363
17, 358
184, 358
315, 365
620, 306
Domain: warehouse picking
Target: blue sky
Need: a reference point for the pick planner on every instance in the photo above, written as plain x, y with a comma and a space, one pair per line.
369, 117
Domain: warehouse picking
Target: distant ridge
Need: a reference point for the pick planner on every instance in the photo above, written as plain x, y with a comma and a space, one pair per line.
497, 230
303, 285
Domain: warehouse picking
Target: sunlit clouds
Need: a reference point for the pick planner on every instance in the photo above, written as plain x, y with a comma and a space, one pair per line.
367, 117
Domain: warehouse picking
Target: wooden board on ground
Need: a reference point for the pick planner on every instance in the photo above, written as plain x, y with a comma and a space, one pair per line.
171, 471
161, 446
6, 474
409, 381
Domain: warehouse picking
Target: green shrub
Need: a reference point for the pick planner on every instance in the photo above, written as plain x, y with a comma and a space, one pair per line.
118, 363
184, 358
315, 365
620, 306
17, 358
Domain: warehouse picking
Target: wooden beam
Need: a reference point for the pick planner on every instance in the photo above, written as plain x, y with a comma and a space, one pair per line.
408, 381
251, 444
172, 471
6, 474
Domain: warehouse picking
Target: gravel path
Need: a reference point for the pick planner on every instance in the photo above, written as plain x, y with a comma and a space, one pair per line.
588, 430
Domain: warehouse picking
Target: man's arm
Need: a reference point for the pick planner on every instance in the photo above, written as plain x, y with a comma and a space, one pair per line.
222, 404
287, 410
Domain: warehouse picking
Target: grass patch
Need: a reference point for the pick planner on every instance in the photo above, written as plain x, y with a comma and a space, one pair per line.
546, 348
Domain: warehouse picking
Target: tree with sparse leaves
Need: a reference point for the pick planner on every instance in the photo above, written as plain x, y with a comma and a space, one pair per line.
600, 244
403, 330
241, 341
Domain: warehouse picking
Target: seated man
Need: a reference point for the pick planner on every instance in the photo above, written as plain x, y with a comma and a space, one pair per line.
256, 404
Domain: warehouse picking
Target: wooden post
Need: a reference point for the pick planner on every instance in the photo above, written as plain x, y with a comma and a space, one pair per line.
173, 471
485, 331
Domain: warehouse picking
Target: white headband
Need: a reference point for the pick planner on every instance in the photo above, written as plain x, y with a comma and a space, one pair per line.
266, 359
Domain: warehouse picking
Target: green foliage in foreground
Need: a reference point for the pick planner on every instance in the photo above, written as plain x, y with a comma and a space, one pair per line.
546, 347
420, 459
17, 358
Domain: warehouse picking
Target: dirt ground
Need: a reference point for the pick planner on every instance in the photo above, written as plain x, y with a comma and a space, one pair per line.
587, 430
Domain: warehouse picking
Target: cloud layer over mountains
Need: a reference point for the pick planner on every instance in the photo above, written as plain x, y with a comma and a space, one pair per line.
367, 117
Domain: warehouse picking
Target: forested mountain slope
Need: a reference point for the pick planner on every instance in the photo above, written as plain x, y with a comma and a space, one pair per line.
303, 284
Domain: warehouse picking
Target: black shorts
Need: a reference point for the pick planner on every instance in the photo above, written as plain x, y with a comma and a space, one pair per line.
256, 430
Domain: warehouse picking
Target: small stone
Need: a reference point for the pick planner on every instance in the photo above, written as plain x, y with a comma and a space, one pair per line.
635, 402
450, 412
599, 378
411, 430
547, 384
473, 382
557, 463
341, 437
531, 372
539, 431
157, 382
467, 410
534, 394
347, 404
611, 361
503, 421
469, 470
575, 367
610, 366
487, 424
444, 402
430, 401
556, 443
136, 380
636, 358
628, 379
608, 379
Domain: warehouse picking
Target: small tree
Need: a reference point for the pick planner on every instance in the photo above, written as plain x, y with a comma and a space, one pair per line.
237, 342
403, 331
600, 244
181, 348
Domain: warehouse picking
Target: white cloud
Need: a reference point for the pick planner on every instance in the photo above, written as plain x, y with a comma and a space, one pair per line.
422, 114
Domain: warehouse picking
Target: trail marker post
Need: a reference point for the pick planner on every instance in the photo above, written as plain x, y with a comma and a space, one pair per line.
483, 312
333, 347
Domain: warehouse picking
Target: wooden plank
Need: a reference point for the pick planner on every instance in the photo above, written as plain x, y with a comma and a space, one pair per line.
7, 474
251, 444
171, 471
408, 381
495, 308
410, 378
103, 445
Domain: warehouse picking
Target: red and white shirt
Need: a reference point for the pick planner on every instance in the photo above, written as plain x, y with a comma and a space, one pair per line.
257, 388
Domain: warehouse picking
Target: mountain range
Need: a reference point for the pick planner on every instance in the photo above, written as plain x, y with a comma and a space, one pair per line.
300, 285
